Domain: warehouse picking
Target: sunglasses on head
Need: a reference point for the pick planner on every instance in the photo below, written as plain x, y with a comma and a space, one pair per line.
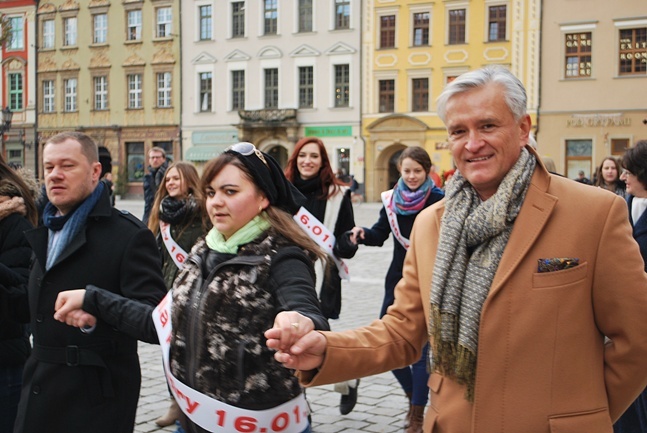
246, 149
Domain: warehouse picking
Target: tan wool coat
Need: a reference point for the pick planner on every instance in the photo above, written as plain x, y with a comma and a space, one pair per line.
542, 364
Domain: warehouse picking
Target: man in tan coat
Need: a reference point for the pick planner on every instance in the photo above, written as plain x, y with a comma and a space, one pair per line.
529, 287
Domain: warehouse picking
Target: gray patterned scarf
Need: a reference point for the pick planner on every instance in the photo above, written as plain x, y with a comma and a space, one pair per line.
473, 235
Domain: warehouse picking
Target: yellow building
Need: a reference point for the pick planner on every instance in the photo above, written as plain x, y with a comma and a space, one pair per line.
412, 49
112, 70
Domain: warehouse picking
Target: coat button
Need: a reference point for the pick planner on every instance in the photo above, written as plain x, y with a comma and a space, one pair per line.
39, 318
35, 390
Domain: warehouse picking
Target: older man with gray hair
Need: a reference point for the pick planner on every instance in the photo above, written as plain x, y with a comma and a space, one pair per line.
532, 326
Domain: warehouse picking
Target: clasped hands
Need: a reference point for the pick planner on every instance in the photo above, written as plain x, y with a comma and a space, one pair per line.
297, 344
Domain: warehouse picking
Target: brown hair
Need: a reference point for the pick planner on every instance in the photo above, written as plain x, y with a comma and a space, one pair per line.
88, 145
20, 189
189, 177
280, 220
599, 181
326, 174
419, 155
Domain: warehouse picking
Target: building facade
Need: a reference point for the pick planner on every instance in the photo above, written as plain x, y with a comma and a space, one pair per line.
271, 72
594, 76
112, 70
18, 89
412, 49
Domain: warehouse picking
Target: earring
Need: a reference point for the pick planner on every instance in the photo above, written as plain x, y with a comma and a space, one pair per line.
260, 209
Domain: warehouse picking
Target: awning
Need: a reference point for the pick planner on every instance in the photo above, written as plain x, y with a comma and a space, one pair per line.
204, 152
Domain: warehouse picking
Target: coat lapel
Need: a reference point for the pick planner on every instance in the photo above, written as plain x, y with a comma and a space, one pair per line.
37, 238
535, 211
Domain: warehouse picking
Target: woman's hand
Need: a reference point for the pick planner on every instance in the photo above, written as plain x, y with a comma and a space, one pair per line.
298, 346
69, 309
357, 233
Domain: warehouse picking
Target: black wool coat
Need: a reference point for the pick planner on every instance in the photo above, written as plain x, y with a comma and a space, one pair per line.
77, 382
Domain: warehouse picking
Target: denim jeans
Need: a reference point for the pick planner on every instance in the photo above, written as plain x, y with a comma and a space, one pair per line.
10, 383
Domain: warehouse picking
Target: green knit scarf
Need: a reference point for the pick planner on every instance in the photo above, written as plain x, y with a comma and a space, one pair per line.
250, 231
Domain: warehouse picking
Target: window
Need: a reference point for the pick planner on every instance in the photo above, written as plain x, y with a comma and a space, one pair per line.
496, 23
420, 29
164, 89
100, 22
420, 94
206, 23
271, 88
205, 91
270, 16
578, 55
135, 157
48, 96
101, 93
17, 34
168, 149
387, 31
387, 96
578, 157
69, 27
305, 16
238, 19
164, 22
134, 91
306, 87
457, 26
15, 91
342, 14
633, 51
342, 85
134, 25
70, 86
49, 34
237, 90
619, 146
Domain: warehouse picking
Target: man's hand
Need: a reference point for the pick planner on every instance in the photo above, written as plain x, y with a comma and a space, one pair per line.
298, 346
69, 309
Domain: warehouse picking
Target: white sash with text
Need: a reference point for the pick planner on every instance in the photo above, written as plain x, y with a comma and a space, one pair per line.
216, 416
393, 219
174, 249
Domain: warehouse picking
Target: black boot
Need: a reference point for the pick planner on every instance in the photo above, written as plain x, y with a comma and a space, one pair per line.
347, 402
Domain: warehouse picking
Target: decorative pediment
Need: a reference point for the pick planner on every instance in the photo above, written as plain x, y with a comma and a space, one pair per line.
69, 5
46, 8
237, 56
70, 65
100, 60
340, 48
98, 3
46, 64
305, 51
270, 53
163, 56
134, 60
14, 64
203, 58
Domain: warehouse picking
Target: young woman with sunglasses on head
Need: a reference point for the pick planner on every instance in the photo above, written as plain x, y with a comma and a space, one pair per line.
254, 263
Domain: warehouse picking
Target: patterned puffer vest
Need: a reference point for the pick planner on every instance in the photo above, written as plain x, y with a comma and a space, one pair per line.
218, 347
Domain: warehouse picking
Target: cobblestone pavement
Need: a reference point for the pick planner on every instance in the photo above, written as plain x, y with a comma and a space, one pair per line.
381, 404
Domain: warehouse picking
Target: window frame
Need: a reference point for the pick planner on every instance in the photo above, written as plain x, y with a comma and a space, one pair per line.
497, 20
48, 37
164, 89
205, 31
15, 91
578, 54
97, 29
100, 94
306, 89
49, 95
458, 28
16, 38
70, 95
341, 87
386, 95
238, 89
135, 90
134, 27
305, 16
387, 29
419, 95
423, 27
70, 32
163, 22
238, 19
271, 88
342, 14
270, 17
634, 71
205, 91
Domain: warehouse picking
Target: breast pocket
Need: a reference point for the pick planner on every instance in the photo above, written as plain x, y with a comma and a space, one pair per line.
560, 279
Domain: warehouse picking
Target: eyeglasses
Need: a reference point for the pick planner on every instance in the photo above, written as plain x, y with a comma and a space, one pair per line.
626, 172
246, 149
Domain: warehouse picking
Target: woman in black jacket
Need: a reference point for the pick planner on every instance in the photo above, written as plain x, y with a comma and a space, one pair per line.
253, 264
414, 192
17, 214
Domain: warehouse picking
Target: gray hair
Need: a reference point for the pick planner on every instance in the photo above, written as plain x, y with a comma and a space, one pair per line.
513, 90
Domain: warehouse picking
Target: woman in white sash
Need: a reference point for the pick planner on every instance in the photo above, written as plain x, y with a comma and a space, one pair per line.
328, 200
177, 221
413, 192
254, 263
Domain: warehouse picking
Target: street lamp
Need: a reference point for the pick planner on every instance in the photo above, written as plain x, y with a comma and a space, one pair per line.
7, 114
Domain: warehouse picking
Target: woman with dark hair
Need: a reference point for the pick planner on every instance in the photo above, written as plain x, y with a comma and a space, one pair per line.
609, 176
634, 420
328, 199
18, 213
254, 263
177, 222
413, 192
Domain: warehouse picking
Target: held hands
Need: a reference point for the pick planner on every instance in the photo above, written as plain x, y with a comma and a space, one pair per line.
298, 346
69, 309
357, 233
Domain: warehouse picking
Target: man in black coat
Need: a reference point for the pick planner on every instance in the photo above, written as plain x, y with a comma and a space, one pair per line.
154, 178
84, 380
